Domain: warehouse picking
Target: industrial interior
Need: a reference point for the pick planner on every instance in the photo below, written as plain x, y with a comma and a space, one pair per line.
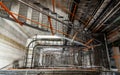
59, 37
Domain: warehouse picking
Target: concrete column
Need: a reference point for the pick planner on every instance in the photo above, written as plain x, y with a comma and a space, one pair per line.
116, 56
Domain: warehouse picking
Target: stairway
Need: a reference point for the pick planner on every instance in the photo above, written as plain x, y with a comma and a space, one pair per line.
23, 11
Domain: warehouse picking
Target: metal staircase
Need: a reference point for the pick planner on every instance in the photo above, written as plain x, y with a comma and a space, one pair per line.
22, 16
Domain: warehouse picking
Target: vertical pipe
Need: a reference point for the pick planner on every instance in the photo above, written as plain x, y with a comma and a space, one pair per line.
106, 46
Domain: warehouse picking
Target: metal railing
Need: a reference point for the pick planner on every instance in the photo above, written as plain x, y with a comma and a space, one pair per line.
55, 72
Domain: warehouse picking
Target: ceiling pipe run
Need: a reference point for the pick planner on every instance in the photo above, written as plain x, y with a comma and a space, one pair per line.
108, 15
105, 3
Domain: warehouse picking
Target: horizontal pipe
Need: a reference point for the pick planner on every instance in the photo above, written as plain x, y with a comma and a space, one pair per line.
60, 46
61, 37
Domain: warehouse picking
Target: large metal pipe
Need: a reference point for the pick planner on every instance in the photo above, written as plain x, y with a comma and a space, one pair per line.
61, 37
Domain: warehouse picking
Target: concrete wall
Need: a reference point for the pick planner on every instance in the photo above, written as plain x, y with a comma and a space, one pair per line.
12, 42
13, 38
